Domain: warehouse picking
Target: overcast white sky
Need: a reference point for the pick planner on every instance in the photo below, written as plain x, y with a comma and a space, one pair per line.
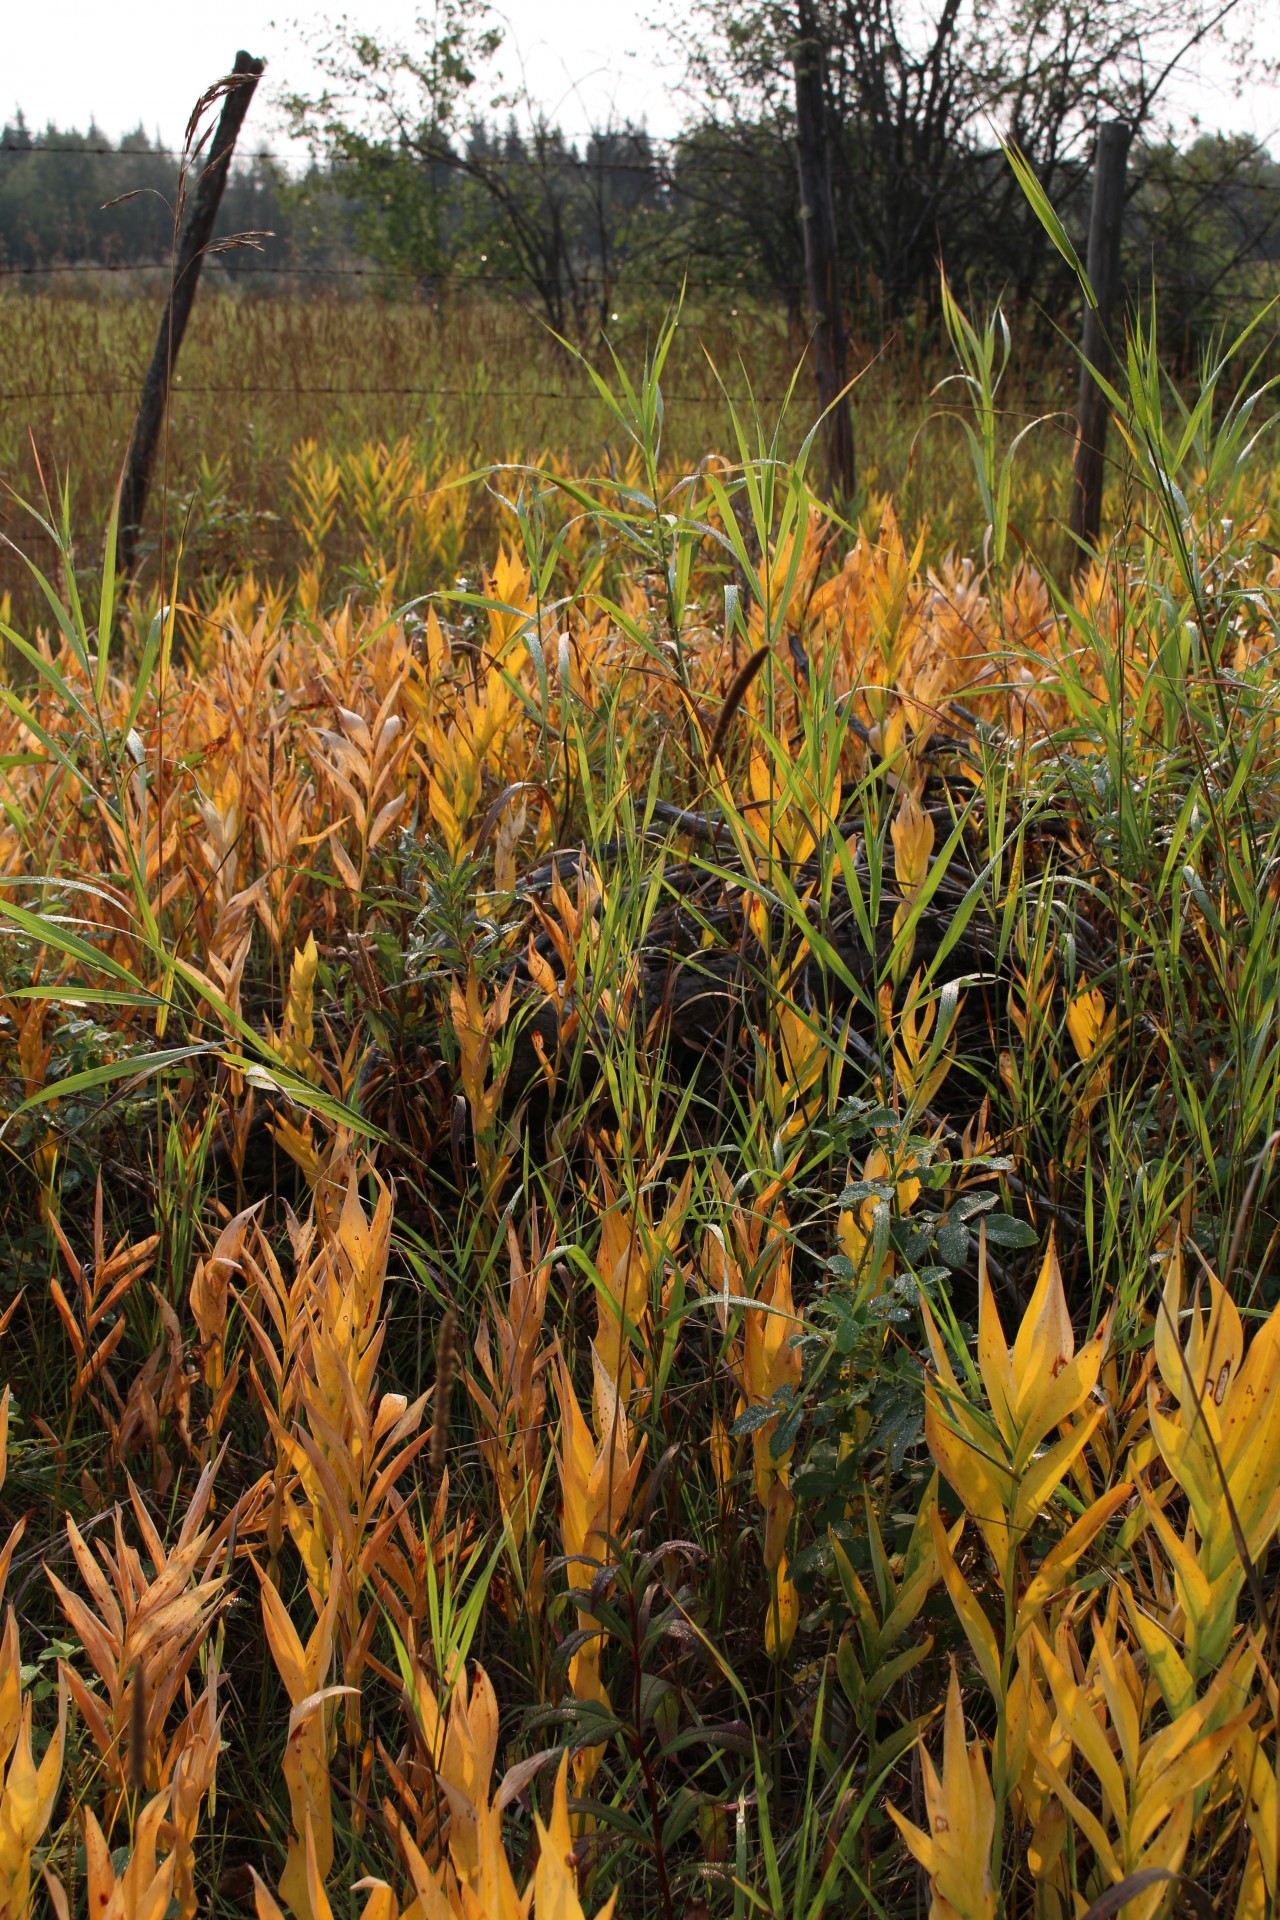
147, 61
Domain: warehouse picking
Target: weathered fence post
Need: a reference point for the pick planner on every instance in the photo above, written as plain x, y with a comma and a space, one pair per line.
1105, 222
822, 279
197, 231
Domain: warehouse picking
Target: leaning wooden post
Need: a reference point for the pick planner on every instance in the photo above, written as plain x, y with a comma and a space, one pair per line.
1105, 223
197, 231
821, 267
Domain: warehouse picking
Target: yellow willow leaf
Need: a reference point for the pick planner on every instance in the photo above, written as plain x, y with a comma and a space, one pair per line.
263, 1901
783, 1615
428, 1885
937, 1349
346, 866
1079, 1721
1083, 1815
1045, 1845
1061, 1558
1255, 1771
297, 1143
965, 1455
1029, 1404
1253, 1901
1047, 1471
920, 1568
556, 1840
386, 819
779, 1505
1211, 1359
306, 1772
760, 778
1165, 1337
26, 1805
856, 1594
995, 1363
854, 1237
1253, 1477
1087, 1021
977, 1627
911, 1043
1194, 1590
470, 1745
555, 1879
1229, 1687
443, 817
1025, 1713
1045, 1341
803, 1053
307, 1534
10, 1688
1240, 1393
1121, 1705
1179, 1780
956, 1852
927, 1091
1189, 1461
1064, 1396
919, 1844
879, 1168
298, 1027
208, 1293
1165, 1854
913, 835
140, 1892
317, 1898
381, 1904
1163, 1656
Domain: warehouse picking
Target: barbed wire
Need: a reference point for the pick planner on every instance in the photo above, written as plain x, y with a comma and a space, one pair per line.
264, 268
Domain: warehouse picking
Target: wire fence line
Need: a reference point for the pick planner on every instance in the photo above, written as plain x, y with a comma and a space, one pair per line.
180, 390
448, 278
285, 267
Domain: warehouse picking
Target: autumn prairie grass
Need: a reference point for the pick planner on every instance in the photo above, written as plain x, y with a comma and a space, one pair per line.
790, 1033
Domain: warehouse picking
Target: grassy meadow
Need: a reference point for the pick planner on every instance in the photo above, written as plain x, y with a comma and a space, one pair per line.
446, 390
640, 1129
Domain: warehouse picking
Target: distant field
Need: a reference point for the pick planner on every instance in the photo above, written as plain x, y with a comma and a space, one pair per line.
463, 386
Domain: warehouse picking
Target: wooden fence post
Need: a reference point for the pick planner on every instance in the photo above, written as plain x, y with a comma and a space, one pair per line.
1105, 223
197, 231
821, 268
